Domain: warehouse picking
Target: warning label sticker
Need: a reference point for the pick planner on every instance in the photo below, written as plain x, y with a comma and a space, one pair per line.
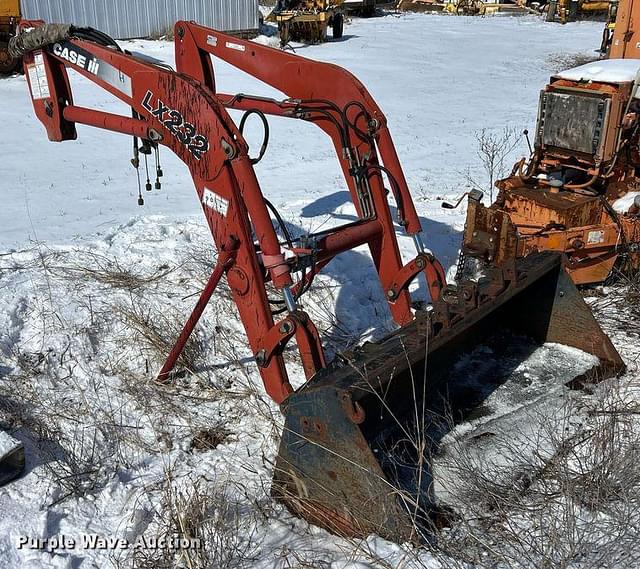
38, 78
215, 202
236, 46
595, 237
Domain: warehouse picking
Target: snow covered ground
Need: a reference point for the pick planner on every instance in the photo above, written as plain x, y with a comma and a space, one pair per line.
92, 287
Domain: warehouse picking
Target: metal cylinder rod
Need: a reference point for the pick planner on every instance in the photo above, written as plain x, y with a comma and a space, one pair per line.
289, 299
348, 237
417, 239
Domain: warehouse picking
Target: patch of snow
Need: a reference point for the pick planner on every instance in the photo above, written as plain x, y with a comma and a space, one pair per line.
605, 71
7, 444
623, 204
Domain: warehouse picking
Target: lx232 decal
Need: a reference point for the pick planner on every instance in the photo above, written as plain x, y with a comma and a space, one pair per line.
174, 122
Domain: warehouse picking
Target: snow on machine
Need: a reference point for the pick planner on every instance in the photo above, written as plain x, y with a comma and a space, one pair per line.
579, 194
351, 456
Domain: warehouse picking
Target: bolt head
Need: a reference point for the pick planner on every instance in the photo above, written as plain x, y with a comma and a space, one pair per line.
261, 358
286, 327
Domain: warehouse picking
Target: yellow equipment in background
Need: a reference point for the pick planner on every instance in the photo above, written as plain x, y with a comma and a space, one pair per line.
463, 7
609, 28
308, 20
570, 10
9, 18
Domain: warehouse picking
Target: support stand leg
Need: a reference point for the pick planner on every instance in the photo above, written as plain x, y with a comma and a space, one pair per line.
226, 258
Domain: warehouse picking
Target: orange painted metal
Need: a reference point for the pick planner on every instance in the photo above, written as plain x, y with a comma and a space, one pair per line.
331, 467
325, 95
625, 43
562, 201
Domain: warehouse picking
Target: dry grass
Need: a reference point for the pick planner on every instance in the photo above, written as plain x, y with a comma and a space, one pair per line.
167, 34
210, 438
214, 528
562, 61
155, 334
577, 505
108, 271
575, 502
76, 401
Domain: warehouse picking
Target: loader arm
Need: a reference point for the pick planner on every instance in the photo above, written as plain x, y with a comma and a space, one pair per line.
173, 110
301, 80
333, 99
178, 111
336, 465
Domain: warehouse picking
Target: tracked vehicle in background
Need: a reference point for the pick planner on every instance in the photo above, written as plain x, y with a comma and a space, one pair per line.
351, 457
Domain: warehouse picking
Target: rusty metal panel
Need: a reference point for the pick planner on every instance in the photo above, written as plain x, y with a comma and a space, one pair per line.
124, 19
535, 208
573, 122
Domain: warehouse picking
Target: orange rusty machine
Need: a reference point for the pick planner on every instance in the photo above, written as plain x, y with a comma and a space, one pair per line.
579, 193
624, 36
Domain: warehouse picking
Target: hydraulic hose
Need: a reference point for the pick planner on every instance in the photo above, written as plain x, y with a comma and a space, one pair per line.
265, 140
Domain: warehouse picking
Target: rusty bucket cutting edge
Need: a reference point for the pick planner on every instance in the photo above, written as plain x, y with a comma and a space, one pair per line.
332, 467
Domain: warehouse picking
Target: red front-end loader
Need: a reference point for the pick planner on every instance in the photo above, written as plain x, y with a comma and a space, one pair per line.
334, 466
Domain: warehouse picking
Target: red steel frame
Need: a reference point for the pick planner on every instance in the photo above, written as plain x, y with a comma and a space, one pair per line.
174, 109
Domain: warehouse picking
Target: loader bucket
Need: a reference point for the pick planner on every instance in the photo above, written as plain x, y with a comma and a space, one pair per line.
348, 458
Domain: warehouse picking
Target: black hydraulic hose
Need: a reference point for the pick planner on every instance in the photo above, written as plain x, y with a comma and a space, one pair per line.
301, 106
395, 188
344, 132
355, 104
325, 108
281, 223
344, 113
616, 218
325, 102
365, 136
95, 36
354, 125
329, 105
265, 124
289, 240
